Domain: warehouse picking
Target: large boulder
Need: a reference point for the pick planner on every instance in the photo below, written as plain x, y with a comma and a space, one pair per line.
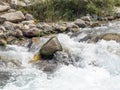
50, 47
13, 16
4, 8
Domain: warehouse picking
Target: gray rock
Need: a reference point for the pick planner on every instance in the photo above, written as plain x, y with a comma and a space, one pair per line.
8, 25
29, 17
4, 8
86, 18
117, 12
13, 16
33, 32
80, 23
62, 57
50, 47
110, 36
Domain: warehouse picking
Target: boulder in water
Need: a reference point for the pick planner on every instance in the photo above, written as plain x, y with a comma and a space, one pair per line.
110, 36
50, 47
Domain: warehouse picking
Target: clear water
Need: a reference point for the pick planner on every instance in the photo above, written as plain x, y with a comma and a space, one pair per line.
97, 66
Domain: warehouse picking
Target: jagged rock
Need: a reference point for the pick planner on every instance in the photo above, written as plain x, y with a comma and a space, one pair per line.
33, 32
4, 8
29, 17
80, 23
50, 47
13, 16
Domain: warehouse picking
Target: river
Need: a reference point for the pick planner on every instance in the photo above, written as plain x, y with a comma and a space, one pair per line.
97, 65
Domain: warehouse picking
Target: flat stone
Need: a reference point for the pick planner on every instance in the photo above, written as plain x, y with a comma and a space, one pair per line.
13, 16
4, 8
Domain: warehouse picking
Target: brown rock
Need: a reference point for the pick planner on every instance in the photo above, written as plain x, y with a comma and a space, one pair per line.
13, 16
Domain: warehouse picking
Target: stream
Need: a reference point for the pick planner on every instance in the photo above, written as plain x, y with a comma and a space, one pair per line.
96, 65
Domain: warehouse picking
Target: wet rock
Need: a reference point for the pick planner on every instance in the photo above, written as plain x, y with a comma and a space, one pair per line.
4, 77
35, 58
3, 42
48, 66
33, 32
62, 57
4, 8
13, 16
80, 23
110, 36
50, 47
29, 17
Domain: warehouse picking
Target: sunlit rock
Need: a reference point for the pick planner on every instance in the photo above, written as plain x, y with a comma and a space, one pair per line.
13, 16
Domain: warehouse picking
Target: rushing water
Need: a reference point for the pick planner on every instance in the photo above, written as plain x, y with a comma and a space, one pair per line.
97, 65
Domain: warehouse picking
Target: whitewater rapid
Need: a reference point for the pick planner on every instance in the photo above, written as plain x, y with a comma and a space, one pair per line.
96, 67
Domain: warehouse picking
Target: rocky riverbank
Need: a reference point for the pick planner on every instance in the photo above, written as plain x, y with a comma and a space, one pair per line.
18, 28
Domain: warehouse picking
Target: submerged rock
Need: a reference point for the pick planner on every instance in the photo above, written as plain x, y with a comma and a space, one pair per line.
63, 58
4, 77
50, 47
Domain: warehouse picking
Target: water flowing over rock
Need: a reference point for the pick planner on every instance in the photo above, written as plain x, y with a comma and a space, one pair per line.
110, 36
50, 47
13, 16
